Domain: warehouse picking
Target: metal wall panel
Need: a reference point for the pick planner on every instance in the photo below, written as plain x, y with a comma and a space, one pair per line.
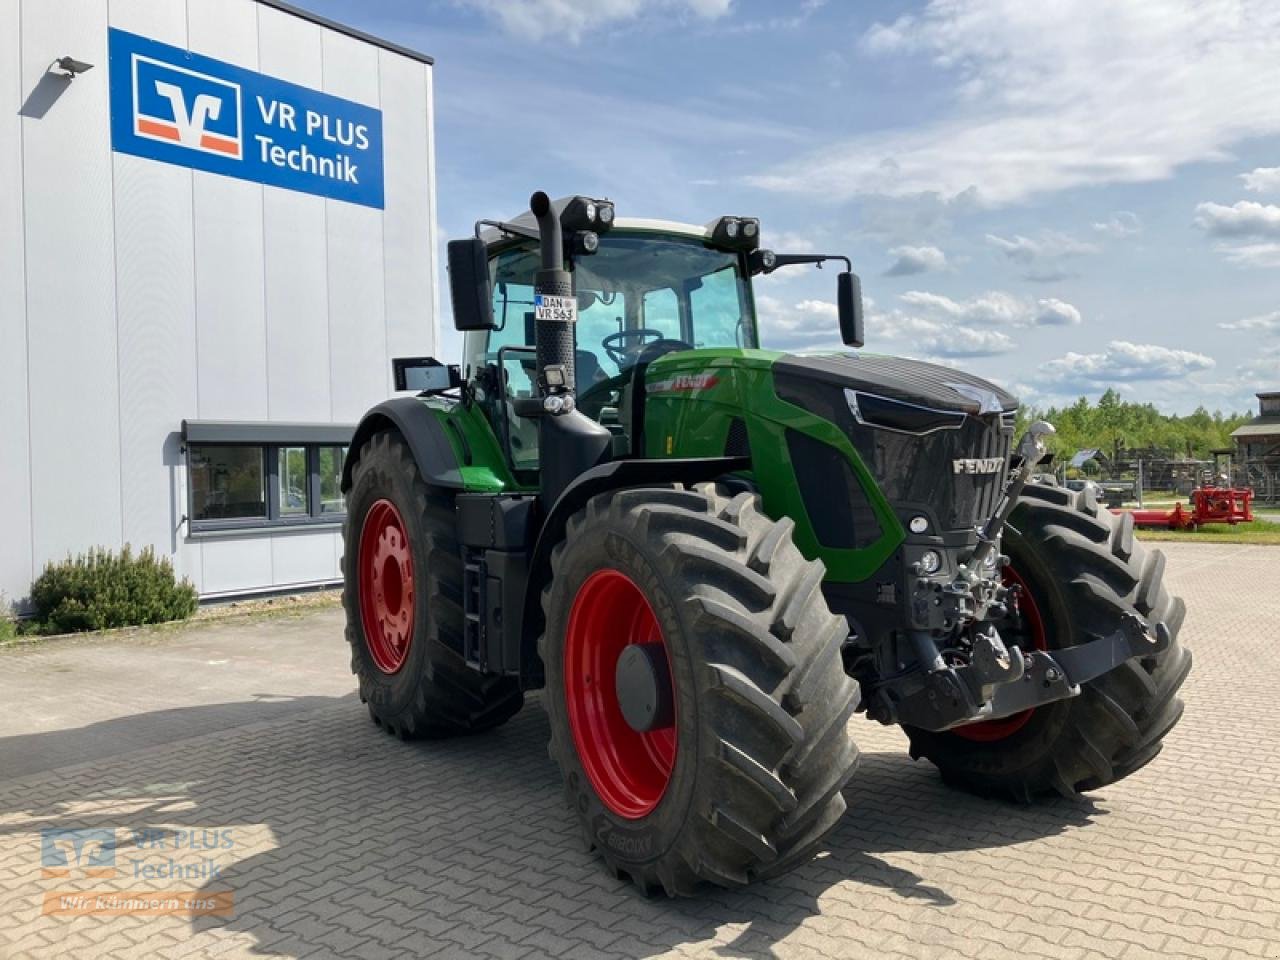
408, 218
230, 297
360, 372
15, 463
300, 558
236, 565
155, 303
70, 281
297, 301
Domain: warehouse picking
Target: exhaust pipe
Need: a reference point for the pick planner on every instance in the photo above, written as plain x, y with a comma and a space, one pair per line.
555, 318
569, 443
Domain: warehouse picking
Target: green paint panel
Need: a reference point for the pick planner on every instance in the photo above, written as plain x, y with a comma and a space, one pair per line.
694, 397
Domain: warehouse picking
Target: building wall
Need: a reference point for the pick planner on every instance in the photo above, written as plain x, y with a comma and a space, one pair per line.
135, 294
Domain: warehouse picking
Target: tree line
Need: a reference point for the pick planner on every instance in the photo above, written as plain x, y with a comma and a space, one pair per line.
1113, 422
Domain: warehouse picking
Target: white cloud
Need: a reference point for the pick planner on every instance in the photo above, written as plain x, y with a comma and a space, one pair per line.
1263, 321
1056, 95
1260, 373
1252, 254
1244, 218
1262, 180
995, 308
572, 19
1049, 245
1122, 223
913, 260
1051, 312
808, 324
1122, 362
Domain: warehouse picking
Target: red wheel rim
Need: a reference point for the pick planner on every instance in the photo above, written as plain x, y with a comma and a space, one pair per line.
385, 564
1034, 631
629, 770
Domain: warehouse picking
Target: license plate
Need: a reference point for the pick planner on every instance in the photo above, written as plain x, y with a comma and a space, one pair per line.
563, 309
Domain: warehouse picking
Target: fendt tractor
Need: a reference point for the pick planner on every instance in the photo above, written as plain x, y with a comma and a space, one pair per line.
709, 556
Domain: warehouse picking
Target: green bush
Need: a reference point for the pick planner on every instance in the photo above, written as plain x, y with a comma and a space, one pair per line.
104, 589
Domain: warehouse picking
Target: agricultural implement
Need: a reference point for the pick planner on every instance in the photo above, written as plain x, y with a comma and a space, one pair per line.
709, 556
1208, 505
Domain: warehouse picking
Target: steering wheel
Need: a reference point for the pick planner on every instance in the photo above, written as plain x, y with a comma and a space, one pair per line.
624, 356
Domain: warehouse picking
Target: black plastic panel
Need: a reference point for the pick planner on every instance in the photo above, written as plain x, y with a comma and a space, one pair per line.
834, 499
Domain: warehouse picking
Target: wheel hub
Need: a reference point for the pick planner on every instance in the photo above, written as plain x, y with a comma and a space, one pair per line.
643, 682
385, 562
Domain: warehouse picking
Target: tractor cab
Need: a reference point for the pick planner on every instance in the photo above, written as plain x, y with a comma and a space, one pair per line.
647, 288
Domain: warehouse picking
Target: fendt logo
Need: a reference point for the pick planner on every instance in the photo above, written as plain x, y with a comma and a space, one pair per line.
188, 108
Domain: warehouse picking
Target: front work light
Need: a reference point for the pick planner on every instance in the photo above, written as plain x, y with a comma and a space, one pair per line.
584, 213
740, 233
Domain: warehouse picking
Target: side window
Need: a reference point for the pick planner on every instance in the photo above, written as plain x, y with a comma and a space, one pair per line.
513, 312
595, 323
717, 310
662, 312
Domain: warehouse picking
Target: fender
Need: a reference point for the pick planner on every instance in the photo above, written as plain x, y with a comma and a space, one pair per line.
422, 431
613, 475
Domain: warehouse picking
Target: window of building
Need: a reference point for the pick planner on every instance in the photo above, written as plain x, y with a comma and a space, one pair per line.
258, 475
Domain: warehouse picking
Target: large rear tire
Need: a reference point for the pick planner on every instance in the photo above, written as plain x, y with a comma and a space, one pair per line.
402, 573
743, 777
1082, 571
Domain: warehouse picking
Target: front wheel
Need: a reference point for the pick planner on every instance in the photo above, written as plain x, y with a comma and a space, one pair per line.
1080, 570
697, 701
402, 573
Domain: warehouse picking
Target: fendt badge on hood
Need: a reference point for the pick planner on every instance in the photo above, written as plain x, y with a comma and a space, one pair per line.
980, 465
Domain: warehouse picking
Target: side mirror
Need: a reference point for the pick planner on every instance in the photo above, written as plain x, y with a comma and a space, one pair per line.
469, 284
849, 301
425, 374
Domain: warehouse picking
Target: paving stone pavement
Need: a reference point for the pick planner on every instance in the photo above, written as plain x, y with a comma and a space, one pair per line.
346, 843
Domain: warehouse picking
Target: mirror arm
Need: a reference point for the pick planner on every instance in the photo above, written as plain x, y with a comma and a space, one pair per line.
510, 229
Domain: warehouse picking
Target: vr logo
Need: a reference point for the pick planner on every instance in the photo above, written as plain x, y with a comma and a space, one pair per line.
183, 107
93, 851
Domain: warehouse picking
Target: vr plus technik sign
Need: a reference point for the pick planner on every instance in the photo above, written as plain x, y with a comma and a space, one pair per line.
178, 107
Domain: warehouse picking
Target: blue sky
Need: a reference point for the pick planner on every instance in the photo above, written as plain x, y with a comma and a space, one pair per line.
1061, 196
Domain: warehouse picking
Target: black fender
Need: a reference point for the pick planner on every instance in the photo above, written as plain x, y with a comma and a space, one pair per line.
422, 431
613, 475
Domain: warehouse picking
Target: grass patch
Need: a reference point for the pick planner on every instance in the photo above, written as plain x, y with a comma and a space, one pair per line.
1259, 531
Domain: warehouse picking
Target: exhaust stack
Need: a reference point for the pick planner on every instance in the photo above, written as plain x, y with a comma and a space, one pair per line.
569, 443
555, 307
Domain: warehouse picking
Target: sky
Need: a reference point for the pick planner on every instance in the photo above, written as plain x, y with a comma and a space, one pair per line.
1061, 196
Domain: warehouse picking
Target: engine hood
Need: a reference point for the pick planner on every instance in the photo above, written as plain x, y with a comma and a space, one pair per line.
913, 381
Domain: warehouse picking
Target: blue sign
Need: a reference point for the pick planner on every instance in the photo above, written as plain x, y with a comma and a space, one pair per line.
179, 107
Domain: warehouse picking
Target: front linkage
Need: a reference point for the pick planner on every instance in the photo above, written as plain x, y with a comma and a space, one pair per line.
994, 681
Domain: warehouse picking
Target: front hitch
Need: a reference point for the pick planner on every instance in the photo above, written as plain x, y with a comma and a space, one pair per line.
956, 696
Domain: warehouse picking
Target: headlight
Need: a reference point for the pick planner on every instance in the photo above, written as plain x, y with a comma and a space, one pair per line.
605, 213
731, 229
918, 524
931, 561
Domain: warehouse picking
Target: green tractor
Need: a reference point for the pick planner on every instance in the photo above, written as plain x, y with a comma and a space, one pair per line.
709, 555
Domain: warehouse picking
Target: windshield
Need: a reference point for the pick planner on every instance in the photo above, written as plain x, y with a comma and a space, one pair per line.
638, 288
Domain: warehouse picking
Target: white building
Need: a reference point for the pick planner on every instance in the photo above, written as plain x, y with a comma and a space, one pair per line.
212, 241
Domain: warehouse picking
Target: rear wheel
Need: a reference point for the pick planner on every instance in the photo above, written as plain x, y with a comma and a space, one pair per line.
1080, 570
697, 701
402, 572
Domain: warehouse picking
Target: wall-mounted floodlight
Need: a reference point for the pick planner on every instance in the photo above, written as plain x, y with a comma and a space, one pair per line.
72, 66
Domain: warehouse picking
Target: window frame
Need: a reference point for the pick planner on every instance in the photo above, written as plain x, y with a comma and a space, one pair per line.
268, 439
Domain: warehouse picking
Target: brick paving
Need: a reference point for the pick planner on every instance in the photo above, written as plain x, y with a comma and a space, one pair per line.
346, 843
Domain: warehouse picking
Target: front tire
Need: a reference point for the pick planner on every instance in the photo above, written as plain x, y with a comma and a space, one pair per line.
742, 776
1083, 570
402, 573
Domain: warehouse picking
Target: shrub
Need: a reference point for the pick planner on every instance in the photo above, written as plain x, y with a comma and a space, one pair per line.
103, 589
8, 626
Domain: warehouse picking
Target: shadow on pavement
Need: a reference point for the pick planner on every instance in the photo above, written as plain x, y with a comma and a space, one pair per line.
380, 848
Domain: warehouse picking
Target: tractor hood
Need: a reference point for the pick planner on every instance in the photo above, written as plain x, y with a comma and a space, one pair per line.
897, 378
